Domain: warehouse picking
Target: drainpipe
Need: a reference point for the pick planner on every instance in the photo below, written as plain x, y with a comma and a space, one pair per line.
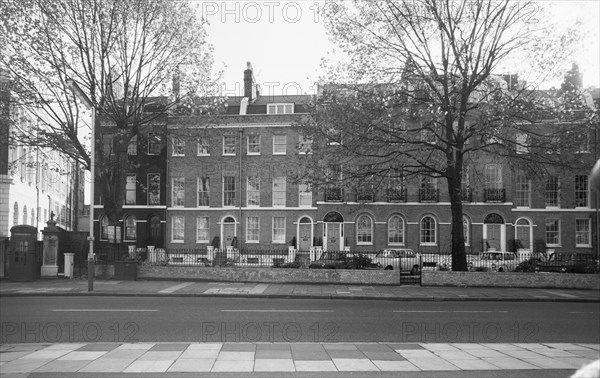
239, 234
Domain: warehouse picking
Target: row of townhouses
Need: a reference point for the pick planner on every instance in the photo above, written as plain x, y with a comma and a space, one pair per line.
35, 183
235, 182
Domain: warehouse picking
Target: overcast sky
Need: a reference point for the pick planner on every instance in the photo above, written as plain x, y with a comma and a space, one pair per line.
285, 41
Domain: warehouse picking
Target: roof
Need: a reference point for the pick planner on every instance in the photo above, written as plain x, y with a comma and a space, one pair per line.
259, 105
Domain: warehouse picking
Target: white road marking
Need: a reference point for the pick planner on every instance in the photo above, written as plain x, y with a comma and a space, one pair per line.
474, 311
172, 289
277, 311
553, 292
102, 310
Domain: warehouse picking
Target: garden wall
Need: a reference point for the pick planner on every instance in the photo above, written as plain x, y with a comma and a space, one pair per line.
272, 275
508, 279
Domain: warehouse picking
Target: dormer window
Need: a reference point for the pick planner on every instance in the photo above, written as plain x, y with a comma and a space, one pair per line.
280, 108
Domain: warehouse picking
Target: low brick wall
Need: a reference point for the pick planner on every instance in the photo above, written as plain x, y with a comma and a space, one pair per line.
237, 274
509, 279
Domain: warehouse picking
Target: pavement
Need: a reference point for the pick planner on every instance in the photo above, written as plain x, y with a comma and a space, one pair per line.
281, 359
68, 287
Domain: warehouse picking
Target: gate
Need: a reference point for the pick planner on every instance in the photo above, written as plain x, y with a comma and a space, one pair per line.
411, 278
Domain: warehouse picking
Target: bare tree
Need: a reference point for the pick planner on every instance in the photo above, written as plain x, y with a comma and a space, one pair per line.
423, 98
123, 54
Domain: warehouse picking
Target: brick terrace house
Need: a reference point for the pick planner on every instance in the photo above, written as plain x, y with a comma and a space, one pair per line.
233, 183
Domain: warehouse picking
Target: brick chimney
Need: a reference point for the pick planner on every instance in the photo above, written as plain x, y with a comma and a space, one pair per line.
249, 82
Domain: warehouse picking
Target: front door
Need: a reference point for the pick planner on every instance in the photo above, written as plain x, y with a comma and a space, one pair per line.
304, 236
333, 236
228, 232
494, 234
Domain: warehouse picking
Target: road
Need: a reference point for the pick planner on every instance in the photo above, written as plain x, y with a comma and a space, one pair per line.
218, 319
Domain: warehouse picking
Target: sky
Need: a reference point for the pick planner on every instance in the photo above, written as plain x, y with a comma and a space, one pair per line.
286, 40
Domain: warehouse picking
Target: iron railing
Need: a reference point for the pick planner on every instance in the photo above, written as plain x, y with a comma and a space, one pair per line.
494, 195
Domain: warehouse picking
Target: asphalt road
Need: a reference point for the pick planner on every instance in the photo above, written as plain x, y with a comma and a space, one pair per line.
219, 319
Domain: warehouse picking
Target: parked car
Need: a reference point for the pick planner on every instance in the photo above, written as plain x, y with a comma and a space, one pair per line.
405, 260
331, 260
494, 261
569, 263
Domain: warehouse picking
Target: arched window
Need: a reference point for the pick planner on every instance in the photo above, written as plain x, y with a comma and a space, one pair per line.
333, 216
467, 230
364, 230
428, 236
103, 228
130, 228
16, 214
395, 230
24, 214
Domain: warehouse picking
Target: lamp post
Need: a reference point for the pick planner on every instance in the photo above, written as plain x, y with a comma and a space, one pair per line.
77, 92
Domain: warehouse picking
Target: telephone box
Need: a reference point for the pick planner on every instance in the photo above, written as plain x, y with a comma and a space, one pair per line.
24, 264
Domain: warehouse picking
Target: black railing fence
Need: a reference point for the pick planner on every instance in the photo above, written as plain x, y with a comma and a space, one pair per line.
405, 261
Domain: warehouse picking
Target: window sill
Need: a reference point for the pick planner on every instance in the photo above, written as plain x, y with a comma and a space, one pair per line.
203, 155
279, 153
428, 244
583, 246
201, 241
253, 154
278, 242
178, 241
361, 243
252, 241
228, 154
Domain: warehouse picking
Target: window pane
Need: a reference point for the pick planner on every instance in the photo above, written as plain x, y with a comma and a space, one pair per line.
130, 190
364, 229
203, 191
581, 191
279, 144
279, 188
278, 229
153, 189
252, 229
203, 146
427, 231
229, 144
178, 191
254, 144
552, 192
228, 190
552, 232
305, 195
178, 227
178, 146
132, 147
153, 144
130, 228
253, 191
582, 232
395, 230
523, 191
202, 229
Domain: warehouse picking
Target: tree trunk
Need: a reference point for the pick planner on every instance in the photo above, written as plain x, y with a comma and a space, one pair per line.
459, 257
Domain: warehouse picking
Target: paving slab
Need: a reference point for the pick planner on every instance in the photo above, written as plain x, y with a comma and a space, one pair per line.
274, 364
103, 365
62, 366
354, 364
316, 366
192, 365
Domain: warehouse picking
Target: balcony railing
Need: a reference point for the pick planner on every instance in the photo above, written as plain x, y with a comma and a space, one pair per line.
466, 195
396, 195
429, 195
333, 194
364, 196
494, 195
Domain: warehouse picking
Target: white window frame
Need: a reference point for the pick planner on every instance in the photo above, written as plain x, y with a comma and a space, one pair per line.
131, 187
586, 191
198, 229
175, 188
435, 233
149, 186
364, 238
279, 191
280, 108
254, 194
555, 221
496, 181
522, 191
174, 219
178, 146
280, 240
522, 143
200, 191
279, 144
587, 233
228, 191
304, 195
401, 231
201, 145
125, 228
248, 144
157, 141
229, 145
556, 192
254, 231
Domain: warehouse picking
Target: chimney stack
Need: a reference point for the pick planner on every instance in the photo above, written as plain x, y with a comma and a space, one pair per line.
249, 82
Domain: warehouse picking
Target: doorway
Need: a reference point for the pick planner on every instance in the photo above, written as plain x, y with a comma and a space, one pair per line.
228, 232
305, 231
333, 238
494, 232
